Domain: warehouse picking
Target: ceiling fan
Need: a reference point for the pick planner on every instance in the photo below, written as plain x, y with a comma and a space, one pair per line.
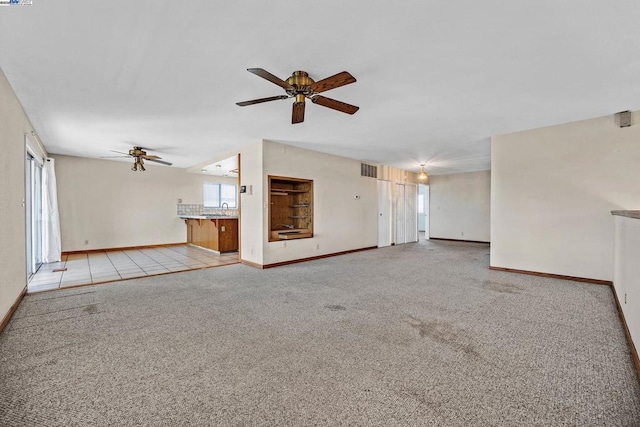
139, 156
301, 86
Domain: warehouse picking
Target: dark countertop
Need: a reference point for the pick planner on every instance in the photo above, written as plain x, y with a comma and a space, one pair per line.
628, 214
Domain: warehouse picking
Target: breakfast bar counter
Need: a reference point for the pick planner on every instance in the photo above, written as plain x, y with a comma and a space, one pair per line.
217, 233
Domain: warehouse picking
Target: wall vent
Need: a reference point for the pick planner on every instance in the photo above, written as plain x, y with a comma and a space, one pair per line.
624, 119
368, 170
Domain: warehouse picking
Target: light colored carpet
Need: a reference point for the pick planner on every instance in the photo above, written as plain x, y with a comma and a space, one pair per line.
420, 334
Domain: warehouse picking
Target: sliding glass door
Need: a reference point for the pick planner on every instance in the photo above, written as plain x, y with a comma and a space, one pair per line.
33, 207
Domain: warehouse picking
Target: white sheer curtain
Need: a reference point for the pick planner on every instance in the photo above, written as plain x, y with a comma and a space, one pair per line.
52, 244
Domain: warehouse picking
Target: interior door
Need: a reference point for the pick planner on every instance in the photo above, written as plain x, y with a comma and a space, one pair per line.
385, 224
400, 215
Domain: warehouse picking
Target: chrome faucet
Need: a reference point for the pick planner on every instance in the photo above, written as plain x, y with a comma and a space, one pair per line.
222, 206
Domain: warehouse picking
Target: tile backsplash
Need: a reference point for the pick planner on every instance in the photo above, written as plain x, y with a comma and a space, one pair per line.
193, 209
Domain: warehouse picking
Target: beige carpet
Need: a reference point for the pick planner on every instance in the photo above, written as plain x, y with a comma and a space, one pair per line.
420, 334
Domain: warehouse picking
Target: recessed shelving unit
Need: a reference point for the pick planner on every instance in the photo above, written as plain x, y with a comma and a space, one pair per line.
290, 208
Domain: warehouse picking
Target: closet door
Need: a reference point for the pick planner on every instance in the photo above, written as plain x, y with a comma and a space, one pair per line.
411, 212
400, 215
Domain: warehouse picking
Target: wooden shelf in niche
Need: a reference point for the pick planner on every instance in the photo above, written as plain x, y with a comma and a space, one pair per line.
290, 208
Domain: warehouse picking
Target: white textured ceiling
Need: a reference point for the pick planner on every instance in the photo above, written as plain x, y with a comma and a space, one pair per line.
436, 79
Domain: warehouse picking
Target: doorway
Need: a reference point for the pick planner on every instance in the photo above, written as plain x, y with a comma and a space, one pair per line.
423, 210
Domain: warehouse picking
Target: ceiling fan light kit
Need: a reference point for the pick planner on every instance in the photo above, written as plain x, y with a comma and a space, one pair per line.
301, 87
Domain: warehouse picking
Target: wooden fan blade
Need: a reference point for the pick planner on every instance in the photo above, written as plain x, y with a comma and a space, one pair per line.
258, 101
158, 161
119, 152
298, 113
340, 79
268, 76
335, 105
115, 157
151, 157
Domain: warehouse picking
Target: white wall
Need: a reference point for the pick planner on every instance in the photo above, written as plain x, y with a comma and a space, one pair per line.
14, 123
106, 203
627, 272
552, 191
341, 222
460, 206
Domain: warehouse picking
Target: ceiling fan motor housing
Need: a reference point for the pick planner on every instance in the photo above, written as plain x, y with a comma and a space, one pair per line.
137, 151
300, 81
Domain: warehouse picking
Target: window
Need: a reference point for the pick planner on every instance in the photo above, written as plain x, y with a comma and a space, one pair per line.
215, 195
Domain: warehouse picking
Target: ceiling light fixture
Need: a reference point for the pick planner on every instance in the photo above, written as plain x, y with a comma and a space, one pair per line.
138, 164
422, 176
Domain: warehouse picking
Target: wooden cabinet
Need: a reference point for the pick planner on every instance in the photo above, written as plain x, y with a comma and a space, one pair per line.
290, 208
218, 234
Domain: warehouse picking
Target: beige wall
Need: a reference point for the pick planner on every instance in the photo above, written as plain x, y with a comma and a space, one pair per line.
341, 222
460, 206
109, 205
552, 191
251, 204
14, 123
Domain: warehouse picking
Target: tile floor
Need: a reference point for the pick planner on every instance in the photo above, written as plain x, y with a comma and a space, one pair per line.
98, 267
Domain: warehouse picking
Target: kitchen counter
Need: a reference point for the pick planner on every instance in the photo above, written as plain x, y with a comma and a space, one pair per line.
207, 217
218, 233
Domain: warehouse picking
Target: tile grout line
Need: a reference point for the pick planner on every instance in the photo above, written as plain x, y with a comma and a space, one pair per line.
175, 259
110, 262
124, 255
133, 261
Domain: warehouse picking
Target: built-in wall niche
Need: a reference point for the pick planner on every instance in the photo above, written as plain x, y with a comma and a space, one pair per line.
290, 208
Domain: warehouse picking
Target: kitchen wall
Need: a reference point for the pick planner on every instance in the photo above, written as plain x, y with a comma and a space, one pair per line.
552, 190
108, 205
460, 206
14, 124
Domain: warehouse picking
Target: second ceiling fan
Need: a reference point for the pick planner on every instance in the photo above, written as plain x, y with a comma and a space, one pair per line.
300, 86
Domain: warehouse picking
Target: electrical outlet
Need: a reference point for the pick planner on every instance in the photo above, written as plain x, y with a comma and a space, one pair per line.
462, 233
318, 246
625, 298
284, 244
223, 228
86, 242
